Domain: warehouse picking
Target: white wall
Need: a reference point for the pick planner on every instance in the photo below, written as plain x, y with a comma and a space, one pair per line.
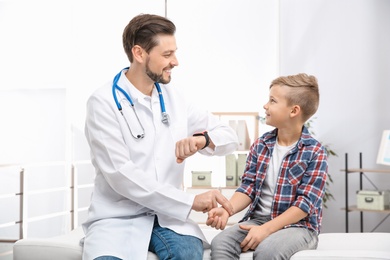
229, 52
346, 45
225, 59
226, 55
52, 46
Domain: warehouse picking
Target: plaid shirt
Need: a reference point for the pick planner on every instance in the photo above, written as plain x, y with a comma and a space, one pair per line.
301, 180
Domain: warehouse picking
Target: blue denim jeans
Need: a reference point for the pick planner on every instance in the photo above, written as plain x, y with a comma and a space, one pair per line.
278, 246
167, 244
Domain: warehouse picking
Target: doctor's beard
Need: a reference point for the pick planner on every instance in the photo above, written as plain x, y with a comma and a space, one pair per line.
156, 77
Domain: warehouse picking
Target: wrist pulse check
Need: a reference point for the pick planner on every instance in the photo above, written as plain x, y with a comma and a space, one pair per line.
206, 135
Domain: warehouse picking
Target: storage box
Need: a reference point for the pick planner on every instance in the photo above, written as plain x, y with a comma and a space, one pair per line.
231, 170
373, 199
241, 163
201, 178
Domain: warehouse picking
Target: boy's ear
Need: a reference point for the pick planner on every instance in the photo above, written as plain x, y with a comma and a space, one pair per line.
295, 111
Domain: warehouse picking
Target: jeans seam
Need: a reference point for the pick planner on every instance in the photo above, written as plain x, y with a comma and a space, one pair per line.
168, 248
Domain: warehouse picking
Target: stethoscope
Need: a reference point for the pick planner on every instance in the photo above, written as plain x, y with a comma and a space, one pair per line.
138, 133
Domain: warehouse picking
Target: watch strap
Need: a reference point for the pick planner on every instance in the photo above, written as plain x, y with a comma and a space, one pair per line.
206, 135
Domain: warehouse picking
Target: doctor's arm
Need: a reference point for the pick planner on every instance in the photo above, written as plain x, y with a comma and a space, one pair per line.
190, 145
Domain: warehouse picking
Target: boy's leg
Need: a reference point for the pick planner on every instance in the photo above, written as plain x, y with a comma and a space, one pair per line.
226, 245
167, 244
286, 242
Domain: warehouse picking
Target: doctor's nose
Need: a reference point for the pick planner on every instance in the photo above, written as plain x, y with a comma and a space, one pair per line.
174, 61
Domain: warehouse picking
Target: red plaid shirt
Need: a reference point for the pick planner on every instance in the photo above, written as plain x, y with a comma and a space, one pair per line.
301, 180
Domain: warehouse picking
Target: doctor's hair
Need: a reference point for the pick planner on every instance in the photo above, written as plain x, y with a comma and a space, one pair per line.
303, 91
143, 29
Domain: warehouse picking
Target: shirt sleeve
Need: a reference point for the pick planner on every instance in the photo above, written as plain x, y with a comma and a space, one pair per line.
221, 134
312, 188
248, 181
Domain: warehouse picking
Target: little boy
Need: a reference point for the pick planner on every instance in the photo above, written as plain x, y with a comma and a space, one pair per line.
283, 182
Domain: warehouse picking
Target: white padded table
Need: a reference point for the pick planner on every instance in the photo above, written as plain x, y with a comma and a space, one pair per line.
331, 246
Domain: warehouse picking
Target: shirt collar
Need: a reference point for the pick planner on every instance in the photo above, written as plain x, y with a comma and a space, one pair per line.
305, 139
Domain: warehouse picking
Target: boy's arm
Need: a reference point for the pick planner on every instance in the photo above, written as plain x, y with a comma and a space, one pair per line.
257, 234
290, 216
239, 201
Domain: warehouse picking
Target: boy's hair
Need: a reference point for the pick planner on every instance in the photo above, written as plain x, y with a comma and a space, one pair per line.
303, 92
143, 29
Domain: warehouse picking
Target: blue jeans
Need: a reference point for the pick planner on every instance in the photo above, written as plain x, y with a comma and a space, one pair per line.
167, 244
278, 246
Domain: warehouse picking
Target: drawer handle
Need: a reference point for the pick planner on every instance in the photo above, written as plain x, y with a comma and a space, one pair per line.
369, 199
201, 177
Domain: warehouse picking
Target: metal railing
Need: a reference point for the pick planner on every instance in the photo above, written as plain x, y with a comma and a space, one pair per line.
23, 194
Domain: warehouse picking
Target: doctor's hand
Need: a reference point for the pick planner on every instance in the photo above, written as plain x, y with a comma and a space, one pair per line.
208, 200
188, 146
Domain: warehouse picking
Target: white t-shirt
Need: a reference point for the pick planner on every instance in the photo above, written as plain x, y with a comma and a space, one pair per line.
263, 208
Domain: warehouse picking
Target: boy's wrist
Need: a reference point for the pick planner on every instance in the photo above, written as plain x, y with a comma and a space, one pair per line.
233, 211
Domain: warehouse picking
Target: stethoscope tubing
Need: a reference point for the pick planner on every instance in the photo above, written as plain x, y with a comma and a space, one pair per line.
115, 87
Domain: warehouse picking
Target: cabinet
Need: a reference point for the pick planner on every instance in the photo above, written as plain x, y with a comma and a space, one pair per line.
362, 173
224, 175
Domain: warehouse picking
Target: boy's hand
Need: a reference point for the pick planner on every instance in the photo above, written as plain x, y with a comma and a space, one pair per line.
217, 218
254, 237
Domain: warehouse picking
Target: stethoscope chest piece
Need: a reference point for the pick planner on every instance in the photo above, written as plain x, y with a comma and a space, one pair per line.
165, 118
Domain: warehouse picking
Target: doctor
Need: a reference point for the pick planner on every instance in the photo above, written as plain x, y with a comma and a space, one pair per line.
140, 130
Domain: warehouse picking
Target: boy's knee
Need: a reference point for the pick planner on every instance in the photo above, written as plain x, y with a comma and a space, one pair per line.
266, 253
216, 242
270, 251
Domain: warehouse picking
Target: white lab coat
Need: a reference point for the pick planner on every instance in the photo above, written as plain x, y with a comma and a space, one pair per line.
137, 178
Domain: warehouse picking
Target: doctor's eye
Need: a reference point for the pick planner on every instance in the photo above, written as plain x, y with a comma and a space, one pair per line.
167, 54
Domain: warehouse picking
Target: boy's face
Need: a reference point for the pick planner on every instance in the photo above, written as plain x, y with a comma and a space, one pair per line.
162, 59
277, 111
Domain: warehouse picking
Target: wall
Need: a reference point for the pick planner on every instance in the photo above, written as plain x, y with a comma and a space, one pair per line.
66, 47
345, 44
226, 60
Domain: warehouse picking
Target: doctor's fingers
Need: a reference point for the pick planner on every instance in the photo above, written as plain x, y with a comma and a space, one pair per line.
218, 198
205, 201
199, 203
224, 202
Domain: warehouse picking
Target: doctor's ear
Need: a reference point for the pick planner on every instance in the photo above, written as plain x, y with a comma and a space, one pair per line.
138, 53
